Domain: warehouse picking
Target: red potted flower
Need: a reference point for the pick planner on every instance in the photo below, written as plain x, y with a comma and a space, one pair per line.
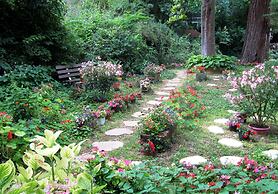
116, 86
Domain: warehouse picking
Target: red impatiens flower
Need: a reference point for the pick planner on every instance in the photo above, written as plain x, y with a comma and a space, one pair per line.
238, 125
191, 90
66, 121
211, 184
201, 68
10, 135
152, 146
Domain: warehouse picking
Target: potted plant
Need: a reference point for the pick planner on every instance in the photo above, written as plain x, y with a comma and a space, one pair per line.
116, 86
201, 74
102, 116
257, 96
245, 133
158, 128
235, 121
145, 85
153, 72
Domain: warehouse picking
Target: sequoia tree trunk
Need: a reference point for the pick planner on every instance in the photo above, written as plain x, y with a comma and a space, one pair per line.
256, 42
208, 27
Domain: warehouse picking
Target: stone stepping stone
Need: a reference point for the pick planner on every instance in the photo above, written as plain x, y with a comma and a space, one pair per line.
222, 121
216, 76
168, 88
273, 154
216, 129
136, 163
212, 85
162, 99
216, 79
154, 102
172, 85
226, 160
193, 160
86, 157
148, 109
232, 111
118, 132
162, 93
108, 145
230, 142
138, 115
131, 123
233, 90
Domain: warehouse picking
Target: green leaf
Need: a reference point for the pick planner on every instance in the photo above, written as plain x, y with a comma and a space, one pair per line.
84, 181
20, 133
7, 173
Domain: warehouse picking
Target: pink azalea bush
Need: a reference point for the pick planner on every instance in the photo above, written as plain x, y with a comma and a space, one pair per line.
257, 93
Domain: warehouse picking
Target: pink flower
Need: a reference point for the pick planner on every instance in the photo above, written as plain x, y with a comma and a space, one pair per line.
127, 162
121, 170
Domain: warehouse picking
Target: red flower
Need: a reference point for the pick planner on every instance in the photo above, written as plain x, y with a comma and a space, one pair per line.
209, 167
192, 175
211, 184
10, 135
192, 105
238, 125
152, 146
191, 90
66, 121
201, 68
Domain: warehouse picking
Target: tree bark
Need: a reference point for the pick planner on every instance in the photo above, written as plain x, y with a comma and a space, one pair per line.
208, 27
256, 42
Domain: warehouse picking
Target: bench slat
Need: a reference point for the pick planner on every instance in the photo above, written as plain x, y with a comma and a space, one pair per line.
65, 67
69, 75
68, 71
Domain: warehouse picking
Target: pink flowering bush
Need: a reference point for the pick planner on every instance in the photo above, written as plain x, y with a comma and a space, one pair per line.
257, 93
100, 75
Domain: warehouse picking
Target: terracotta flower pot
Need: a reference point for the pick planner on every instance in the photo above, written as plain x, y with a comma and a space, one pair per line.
262, 131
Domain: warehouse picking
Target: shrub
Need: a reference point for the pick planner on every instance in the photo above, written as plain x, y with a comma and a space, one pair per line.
214, 62
258, 95
153, 72
100, 76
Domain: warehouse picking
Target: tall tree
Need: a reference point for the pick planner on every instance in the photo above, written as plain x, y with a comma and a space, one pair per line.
208, 27
256, 42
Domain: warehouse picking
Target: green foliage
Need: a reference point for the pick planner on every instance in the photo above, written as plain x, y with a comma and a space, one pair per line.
274, 14
214, 62
7, 172
24, 38
27, 76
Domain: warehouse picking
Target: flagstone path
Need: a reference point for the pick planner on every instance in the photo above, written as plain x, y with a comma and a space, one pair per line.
128, 127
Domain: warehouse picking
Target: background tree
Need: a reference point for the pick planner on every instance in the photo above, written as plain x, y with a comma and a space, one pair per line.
208, 27
256, 42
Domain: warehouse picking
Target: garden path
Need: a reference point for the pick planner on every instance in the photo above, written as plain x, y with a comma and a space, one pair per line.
129, 126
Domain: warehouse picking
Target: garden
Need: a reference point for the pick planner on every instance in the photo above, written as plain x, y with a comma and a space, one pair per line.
140, 96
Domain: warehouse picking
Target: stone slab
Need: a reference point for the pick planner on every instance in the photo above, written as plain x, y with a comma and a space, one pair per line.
139, 115
154, 102
232, 111
193, 160
118, 132
162, 99
131, 123
108, 145
212, 85
172, 85
232, 90
168, 88
162, 93
222, 121
226, 160
216, 129
273, 154
230, 142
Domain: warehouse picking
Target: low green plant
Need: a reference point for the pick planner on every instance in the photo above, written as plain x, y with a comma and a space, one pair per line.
212, 62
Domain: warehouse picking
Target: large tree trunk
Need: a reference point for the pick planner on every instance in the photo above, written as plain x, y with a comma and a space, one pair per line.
208, 27
256, 42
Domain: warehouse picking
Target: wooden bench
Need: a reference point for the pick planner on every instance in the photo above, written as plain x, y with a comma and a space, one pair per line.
69, 74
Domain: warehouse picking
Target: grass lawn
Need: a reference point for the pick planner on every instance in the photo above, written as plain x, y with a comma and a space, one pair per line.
199, 141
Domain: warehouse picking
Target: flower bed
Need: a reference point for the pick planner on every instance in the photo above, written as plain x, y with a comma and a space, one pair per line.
51, 168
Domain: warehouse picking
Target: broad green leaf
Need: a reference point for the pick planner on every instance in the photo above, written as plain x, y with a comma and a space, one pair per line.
84, 181
20, 133
7, 173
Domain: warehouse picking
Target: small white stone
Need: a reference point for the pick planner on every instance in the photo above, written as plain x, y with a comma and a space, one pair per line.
131, 123
153, 102
138, 115
118, 132
172, 85
168, 89
148, 109
230, 142
273, 154
222, 121
232, 111
216, 76
216, 79
233, 90
108, 145
161, 99
193, 160
225, 160
162, 93
212, 85
136, 163
216, 129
